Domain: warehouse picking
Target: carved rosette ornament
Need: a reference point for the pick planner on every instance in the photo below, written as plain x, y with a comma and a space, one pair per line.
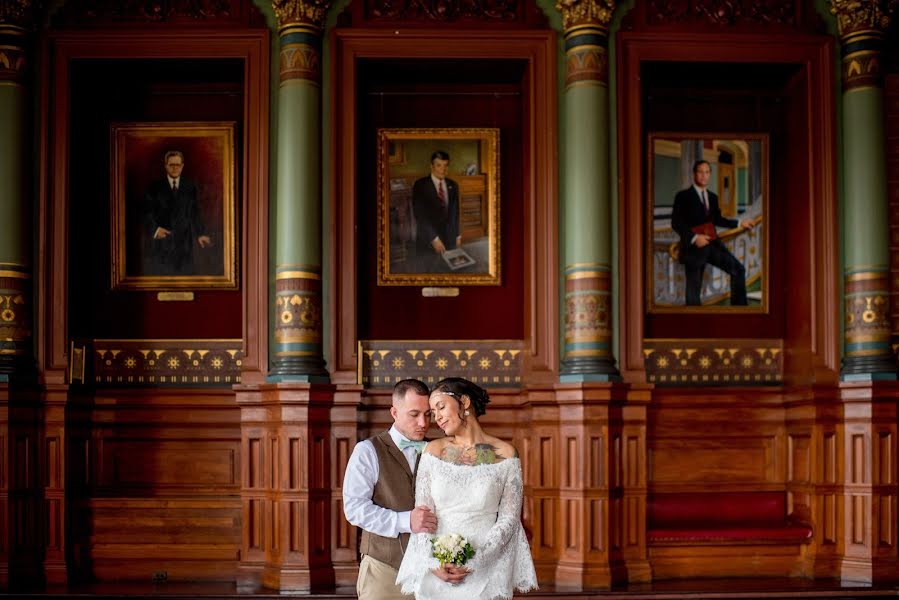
444, 10
586, 40
863, 25
722, 13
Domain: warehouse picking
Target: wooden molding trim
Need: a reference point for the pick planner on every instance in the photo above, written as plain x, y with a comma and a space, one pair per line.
818, 349
60, 49
538, 48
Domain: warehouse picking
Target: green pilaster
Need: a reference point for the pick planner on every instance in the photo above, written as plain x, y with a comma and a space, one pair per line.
298, 283
586, 207
868, 353
866, 210
16, 302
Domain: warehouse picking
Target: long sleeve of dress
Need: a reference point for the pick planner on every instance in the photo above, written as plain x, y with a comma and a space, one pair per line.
508, 521
418, 559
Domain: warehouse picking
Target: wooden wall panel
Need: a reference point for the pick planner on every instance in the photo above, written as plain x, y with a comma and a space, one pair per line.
721, 439
159, 494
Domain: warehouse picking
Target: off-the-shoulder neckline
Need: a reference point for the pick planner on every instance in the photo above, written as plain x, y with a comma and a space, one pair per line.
496, 464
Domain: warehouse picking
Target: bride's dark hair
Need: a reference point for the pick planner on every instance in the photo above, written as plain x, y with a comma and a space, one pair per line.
458, 387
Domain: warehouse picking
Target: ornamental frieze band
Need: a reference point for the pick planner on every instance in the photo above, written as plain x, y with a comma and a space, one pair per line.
123, 363
726, 13
713, 362
496, 363
445, 10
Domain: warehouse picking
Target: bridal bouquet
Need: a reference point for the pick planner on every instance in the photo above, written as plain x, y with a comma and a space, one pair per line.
452, 548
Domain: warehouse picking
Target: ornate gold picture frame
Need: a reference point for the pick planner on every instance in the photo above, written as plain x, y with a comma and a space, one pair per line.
173, 206
693, 238
439, 207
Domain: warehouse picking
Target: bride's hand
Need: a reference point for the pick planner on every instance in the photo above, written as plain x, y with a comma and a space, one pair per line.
451, 573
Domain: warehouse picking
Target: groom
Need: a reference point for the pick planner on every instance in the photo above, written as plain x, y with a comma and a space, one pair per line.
379, 492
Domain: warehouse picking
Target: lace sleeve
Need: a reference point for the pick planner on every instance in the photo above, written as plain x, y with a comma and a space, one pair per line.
417, 560
508, 520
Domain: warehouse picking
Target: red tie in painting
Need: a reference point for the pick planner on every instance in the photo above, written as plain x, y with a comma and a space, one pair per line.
441, 193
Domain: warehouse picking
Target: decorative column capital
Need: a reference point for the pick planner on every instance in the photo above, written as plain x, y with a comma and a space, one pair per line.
293, 13
854, 16
575, 13
863, 25
18, 13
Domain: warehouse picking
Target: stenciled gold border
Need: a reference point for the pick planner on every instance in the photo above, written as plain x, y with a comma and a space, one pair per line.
677, 137
120, 134
488, 138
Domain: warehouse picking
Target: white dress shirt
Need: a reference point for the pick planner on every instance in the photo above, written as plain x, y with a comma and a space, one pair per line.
362, 472
704, 198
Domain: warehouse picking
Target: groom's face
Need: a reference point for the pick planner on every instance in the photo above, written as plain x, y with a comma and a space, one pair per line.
412, 415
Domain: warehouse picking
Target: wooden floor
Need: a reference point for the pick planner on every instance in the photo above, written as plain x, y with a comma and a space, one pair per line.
665, 590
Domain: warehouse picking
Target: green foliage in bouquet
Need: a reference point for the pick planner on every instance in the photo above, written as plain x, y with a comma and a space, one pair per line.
452, 548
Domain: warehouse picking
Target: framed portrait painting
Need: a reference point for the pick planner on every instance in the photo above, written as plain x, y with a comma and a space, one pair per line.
707, 225
173, 191
438, 207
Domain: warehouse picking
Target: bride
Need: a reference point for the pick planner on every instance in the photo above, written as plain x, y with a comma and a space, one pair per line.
473, 482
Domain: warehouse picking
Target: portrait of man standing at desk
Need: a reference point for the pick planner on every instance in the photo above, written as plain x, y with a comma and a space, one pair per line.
435, 201
695, 216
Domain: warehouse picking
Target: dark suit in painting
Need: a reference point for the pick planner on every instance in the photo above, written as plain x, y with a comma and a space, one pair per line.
432, 218
179, 212
689, 212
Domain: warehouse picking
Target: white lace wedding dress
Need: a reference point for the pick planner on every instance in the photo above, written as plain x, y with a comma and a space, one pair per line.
483, 504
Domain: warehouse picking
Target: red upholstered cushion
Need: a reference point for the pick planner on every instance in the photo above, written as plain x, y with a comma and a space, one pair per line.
733, 518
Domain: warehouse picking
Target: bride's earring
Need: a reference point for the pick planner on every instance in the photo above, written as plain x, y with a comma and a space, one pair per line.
466, 413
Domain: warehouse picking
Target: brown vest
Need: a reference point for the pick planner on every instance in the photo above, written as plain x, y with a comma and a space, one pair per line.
395, 489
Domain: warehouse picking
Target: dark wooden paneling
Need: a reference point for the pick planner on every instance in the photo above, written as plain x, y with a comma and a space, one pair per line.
160, 488
536, 208
721, 440
145, 75
803, 185
141, 91
395, 93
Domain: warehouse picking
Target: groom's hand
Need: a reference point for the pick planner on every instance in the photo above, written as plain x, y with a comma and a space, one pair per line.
423, 520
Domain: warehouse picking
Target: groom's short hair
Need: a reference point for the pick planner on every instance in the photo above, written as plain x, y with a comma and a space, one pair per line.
400, 389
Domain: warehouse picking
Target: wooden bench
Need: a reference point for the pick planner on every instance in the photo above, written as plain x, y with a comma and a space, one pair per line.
724, 534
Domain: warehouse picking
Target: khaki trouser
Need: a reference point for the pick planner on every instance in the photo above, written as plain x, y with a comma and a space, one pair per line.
377, 581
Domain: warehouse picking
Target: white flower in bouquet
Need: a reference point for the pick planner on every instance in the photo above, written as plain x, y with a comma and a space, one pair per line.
452, 548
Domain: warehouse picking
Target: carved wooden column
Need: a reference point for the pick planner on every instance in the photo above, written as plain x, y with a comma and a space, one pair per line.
286, 486
344, 435
601, 474
20, 494
542, 447
870, 486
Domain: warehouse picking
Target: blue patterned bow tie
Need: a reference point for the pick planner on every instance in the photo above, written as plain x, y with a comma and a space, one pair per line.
419, 446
